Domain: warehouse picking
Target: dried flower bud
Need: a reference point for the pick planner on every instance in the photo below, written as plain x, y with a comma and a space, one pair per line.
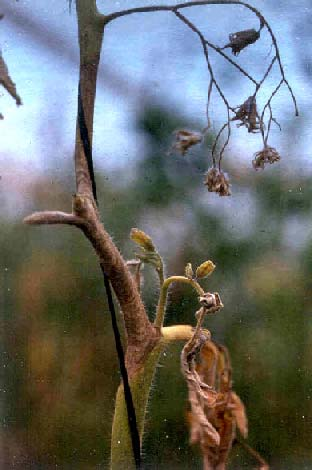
211, 302
266, 155
189, 271
142, 239
242, 39
217, 182
205, 269
186, 139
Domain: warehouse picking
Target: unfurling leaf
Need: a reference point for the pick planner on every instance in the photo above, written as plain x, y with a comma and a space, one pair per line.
239, 414
189, 273
205, 269
142, 239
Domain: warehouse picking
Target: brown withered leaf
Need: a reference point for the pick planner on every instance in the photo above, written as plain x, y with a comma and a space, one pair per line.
206, 366
247, 114
242, 39
185, 139
239, 414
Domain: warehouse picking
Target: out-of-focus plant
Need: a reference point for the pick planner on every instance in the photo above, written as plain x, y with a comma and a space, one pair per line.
216, 410
6, 81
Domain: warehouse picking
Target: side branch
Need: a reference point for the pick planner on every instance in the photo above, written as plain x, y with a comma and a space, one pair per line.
151, 9
141, 334
53, 217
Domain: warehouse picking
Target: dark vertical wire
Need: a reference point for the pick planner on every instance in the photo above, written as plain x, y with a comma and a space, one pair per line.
134, 433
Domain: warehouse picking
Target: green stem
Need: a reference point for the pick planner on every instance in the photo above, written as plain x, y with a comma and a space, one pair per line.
141, 382
121, 447
160, 314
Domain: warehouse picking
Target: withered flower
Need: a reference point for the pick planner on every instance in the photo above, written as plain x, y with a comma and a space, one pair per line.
217, 182
186, 139
242, 39
248, 115
266, 155
211, 302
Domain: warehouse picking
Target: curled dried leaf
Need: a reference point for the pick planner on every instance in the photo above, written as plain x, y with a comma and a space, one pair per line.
266, 155
239, 414
217, 182
185, 139
242, 39
247, 114
205, 269
142, 239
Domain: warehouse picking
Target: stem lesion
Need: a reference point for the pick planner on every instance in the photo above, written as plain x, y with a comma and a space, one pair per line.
141, 334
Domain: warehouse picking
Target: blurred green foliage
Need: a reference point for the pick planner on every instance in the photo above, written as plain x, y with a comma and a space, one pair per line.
59, 365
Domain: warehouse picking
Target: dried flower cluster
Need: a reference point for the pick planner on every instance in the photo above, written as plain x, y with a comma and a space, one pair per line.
185, 139
248, 115
217, 182
266, 155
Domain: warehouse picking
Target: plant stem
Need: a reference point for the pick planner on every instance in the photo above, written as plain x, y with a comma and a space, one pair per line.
160, 313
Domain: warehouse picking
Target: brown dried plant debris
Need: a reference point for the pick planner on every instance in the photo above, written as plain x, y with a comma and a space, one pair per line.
248, 115
184, 140
217, 182
216, 410
242, 39
7, 83
266, 155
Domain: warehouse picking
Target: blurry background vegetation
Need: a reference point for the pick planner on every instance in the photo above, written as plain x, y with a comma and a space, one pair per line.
59, 370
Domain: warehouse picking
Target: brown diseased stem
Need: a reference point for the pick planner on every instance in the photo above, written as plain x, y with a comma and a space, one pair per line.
141, 335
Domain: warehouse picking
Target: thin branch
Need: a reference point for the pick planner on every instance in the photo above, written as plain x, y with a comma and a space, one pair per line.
227, 139
180, 6
213, 82
265, 75
210, 87
160, 313
263, 464
231, 61
268, 105
53, 217
216, 141
130, 11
